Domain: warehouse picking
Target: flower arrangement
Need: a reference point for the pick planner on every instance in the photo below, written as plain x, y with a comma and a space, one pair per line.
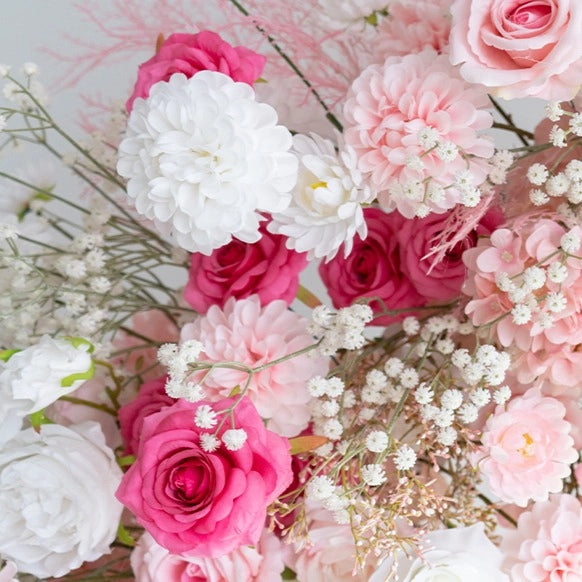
176, 404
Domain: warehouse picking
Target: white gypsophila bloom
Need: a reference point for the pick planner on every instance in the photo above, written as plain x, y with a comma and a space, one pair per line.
320, 488
205, 417
57, 498
451, 398
393, 367
447, 436
570, 242
326, 209
376, 379
203, 159
404, 458
538, 197
342, 14
234, 438
330, 408
333, 429
208, 442
537, 174
409, 378
410, 325
37, 376
424, 394
377, 441
502, 395
373, 475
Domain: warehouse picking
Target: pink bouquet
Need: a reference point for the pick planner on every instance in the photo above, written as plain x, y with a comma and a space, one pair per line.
176, 401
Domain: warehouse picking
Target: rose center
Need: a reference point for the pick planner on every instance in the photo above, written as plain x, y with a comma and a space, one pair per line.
531, 14
189, 481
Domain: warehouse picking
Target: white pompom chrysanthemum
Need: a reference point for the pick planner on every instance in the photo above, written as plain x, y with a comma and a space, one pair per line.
203, 159
326, 209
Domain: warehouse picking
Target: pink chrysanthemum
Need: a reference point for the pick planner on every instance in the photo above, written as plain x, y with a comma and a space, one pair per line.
247, 333
413, 123
527, 449
547, 544
413, 25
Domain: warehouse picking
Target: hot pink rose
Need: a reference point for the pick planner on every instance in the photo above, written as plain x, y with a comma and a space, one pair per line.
263, 563
205, 503
373, 269
267, 268
151, 398
191, 53
443, 281
519, 47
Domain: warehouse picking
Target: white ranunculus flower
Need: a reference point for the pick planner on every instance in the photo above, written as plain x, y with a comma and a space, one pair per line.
57, 498
203, 159
326, 209
463, 554
37, 376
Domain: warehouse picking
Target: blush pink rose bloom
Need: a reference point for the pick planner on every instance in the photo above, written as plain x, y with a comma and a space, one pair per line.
388, 110
547, 544
238, 269
205, 503
519, 48
151, 398
527, 449
191, 53
263, 563
245, 332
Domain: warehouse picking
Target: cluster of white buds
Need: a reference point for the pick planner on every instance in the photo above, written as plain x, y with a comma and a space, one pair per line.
177, 357
548, 184
341, 330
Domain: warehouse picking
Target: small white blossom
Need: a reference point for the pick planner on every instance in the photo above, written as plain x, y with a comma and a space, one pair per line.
445, 346
377, 441
447, 151
447, 436
444, 417
451, 399
317, 386
570, 242
534, 277
503, 282
538, 197
480, 397
330, 408
404, 458
166, 353
334, 387
576, 124
424, 394
556, 302
205, 417
373, 475
428, 137
320, 488
557, 272
393, 367
573, 170
234, 438
468, 413
521, 314
557, 185
333, 429
537, 174
409, 378
376, 379
410, 325
502, 395
554, 111
557, 137
208, 442
461, 358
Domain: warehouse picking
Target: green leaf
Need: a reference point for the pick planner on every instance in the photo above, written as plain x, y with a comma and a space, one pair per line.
126, 460
5, 355
234, 391
80, 341
38, 418
72, 378
288, 574
125, 537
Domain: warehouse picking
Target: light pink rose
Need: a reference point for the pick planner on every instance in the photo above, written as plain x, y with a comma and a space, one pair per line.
517, 48
264, 563
547, 544
238, 269
527, 449
8, 572
374, 268
205, 503
330, 553
245, 332
191, 53
151, 398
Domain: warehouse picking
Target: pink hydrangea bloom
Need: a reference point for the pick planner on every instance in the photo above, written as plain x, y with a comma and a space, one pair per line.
397, 112
547, 544
411, 26
263, 563
245, 332
191, 53
527, 448
551, 333
266, 268
522, 48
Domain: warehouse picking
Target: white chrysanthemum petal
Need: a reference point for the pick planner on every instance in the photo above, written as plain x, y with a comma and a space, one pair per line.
203, 159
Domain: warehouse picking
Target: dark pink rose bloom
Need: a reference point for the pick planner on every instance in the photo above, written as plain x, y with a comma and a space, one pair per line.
191, 53
266, 268
416, 238
373, 269
198, 502
151, 398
